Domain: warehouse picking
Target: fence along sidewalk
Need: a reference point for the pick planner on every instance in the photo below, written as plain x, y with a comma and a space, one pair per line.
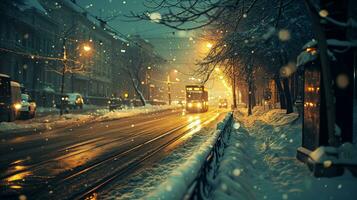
192, 179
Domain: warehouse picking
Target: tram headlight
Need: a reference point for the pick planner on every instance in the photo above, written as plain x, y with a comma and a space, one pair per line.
199, 105
189, 105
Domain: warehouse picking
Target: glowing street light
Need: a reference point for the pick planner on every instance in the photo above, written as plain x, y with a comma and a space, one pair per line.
209, 45
87, 48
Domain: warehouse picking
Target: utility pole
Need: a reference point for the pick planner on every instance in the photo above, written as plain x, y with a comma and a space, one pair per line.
148, 76
63, 73
169, 88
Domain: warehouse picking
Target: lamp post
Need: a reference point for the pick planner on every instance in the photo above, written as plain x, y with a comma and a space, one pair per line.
86, 49
64, 68
147, 77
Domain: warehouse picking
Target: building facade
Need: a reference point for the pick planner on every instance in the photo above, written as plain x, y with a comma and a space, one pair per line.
39, 40
29, 49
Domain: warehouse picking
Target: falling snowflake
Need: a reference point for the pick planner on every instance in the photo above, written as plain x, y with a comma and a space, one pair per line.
236, 172
155, 17
323, 13
284, 35
236, 125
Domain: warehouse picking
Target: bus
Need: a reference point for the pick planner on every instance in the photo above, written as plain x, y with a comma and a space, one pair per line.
10, 99
196, 98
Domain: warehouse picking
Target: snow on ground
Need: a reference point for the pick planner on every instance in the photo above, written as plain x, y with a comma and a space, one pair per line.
130, 111
89, 114
260, 162
148, 180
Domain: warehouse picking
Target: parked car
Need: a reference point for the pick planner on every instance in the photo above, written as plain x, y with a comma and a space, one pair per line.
223, 103
75, 100
28, 107
10, 99
114, 103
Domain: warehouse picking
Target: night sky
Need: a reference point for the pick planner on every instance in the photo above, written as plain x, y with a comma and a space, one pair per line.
182, 49
171, 44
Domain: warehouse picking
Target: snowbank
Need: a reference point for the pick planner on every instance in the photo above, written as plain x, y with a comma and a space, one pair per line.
130, 111
274, 117
180, 180
260, 163
148, 180
55, 121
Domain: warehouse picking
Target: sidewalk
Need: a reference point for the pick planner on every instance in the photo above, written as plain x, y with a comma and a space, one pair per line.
260, 162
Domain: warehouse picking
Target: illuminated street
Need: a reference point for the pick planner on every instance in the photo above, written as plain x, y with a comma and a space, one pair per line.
81, 156
178, 99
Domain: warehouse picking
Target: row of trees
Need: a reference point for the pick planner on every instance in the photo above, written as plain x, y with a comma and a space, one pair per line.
255, 36
251, 37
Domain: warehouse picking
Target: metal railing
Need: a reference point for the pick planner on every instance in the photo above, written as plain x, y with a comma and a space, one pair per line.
193, 179
201, 186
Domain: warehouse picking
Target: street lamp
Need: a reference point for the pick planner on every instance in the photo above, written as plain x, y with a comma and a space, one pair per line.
86, 48
209, 45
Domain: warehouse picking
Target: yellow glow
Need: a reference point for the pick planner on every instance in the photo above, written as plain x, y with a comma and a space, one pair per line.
311, 50
19, 167
19, 176
17, 106
87, 48
126, 95
189, 105
16, 186
209, 45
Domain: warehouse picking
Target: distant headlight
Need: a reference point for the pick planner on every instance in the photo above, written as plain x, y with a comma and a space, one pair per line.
17, 106
189, 105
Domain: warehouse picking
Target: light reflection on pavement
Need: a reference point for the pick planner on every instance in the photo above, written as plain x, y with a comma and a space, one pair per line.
40, 160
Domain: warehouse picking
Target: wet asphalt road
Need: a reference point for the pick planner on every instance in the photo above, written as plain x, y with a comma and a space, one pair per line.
76, 162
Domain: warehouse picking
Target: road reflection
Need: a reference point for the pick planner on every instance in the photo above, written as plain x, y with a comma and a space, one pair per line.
86, 152
15, 181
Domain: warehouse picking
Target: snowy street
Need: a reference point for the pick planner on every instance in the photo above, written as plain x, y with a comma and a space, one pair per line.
88, 156
178, 99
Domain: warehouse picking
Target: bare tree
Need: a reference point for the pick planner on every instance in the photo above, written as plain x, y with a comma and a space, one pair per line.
257, 33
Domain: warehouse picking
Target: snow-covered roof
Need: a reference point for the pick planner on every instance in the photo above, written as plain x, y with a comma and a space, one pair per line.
30, 4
